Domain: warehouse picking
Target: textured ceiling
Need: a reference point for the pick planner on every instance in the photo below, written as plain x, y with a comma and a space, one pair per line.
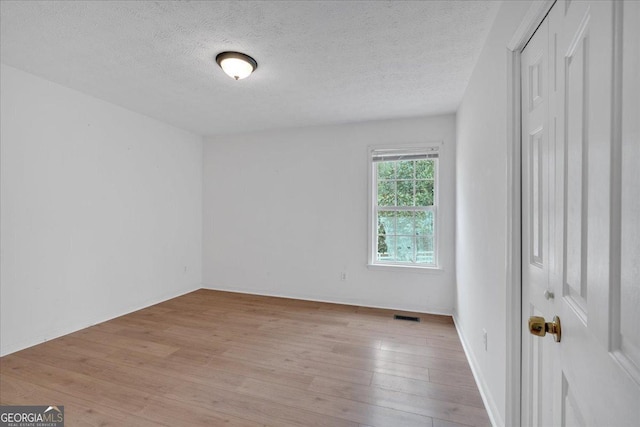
319, 62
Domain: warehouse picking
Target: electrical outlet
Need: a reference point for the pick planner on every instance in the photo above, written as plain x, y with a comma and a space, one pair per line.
343, 276
484, 339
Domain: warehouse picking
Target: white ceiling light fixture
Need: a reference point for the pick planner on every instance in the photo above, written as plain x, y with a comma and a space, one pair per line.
236, 65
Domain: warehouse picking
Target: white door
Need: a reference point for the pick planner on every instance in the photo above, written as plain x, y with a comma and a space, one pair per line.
581, 215
538, 354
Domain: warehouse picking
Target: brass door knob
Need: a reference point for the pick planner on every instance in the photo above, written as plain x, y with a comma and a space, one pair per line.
538, 326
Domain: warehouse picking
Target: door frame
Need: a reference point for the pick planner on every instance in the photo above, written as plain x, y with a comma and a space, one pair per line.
530, 22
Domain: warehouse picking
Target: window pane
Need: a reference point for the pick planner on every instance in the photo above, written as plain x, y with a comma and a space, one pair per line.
386, 248
424, 251
405, 169
405, 223
405, 246
401, 235
386, 193
386, 170
386, 222
405, 193
425, 169
424, 193
424, 223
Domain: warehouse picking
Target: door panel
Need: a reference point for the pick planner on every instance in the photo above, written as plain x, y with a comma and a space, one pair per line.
539, 378
537, 192
571, 412
535, 207
576, 155
627, 345
581, 210
602, 391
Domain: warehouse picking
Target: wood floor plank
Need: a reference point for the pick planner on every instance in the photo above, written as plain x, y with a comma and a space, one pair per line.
172, 412
365, 334
445, 343
78, 412
94, 390
275, 375
258, 408
221, 358
156, 410
227, 373
404, 329
359, 376
424, 350
415, 404
463, 395
282, 347
385, 313
75, 343
141, 345
178, 341
324, 403
445, 423
330, 335
458, 365
267, 340
182, 369
401, 370
452, 378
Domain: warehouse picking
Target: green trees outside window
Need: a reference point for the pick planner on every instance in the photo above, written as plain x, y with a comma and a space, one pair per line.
405, 211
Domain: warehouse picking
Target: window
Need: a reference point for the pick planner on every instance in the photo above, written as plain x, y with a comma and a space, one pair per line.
404, 206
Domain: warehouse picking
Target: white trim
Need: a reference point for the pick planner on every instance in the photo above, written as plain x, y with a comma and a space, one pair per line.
70, 328
483, 388
347, 301
513, 292
372, 207
406, 268
394, 153
615, 256
532, 19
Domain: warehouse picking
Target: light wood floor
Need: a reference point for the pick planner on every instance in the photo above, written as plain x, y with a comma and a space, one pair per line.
213, 358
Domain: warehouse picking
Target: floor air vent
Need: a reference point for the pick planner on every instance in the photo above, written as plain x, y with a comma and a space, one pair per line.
409, 318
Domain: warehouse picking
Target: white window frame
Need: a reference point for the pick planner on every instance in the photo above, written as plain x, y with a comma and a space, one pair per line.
373, 263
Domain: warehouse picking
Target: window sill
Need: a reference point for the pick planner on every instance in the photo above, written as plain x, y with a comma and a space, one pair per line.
405, 268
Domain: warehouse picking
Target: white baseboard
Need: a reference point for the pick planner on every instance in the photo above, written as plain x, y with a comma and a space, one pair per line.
68, 329
71, 328
489, 402
331, 300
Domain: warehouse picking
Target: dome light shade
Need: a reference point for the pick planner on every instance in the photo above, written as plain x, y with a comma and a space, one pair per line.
236, 65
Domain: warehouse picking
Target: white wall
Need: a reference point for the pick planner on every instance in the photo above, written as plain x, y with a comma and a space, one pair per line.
481, 216
285, 212
101, 210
